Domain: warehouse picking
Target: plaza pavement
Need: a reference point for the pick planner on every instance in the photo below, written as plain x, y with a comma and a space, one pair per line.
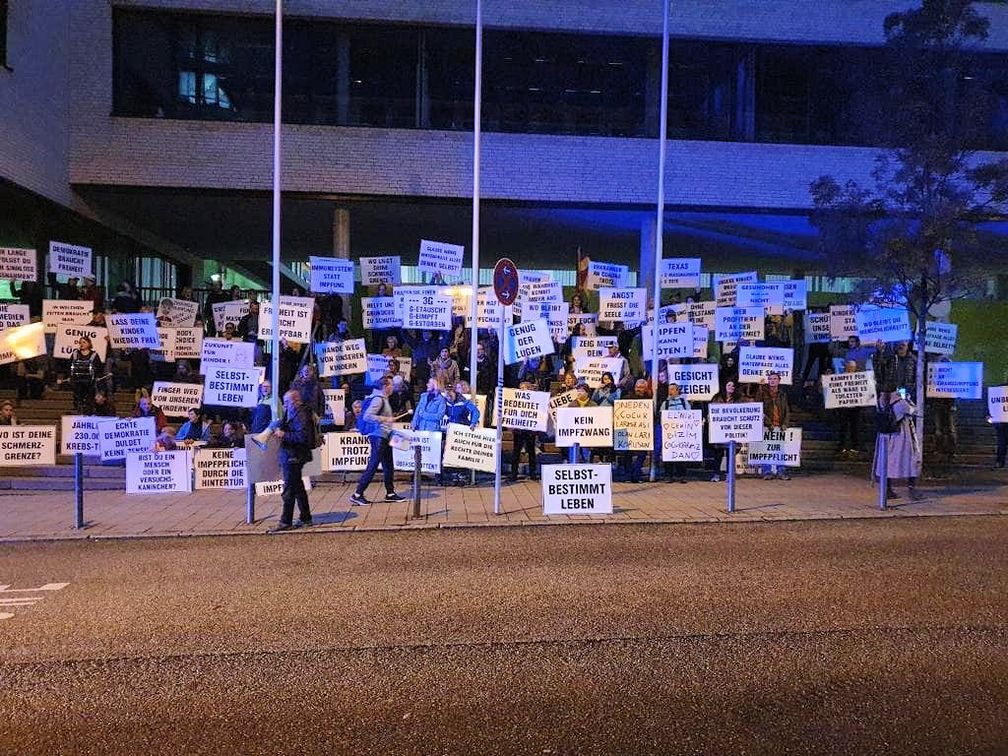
113, 514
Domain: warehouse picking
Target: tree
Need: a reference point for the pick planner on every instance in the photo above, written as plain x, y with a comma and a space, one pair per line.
914, 236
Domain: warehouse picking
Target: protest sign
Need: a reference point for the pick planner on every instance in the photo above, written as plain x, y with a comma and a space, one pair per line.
539, 291
590, 369
582, 322
189, 343
79, 435
69, 260
591, 346
177, 313
65, 311
725, 286
736, 422
441, 257
133, 331
702, 313
117, 437
675, 341
417, 293
295, 319
769, 296
13, 315
997, 404
625, 305
756, 363
27, 445
843, 322
159, 472
777, 447
335, 407
955, 380
682, 436
817, 328
577, 489
379, 365
67, 337
489, 311
231, 386
379, 313
275, 487
795, 295
345, 452
527, 339
166, 353
525, 410
633, 425
586, 426
426, 312
330, 275
882, 324
698, 383
18, 264
680, 273
555, 315
22, 343
940, 338
471, 449
220, 468
603, 275
225, 353
342, 357
738, 323
841, 390
376, 271
231, 312
562, 399
430, 452
176, 399
701, 341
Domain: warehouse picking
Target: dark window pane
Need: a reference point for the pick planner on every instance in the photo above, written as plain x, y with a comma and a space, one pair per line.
383, 77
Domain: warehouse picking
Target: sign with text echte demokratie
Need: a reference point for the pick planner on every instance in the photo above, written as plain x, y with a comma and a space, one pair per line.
577, 489
116, 437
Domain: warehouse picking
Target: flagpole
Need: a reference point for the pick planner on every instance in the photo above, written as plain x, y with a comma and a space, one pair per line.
275, 324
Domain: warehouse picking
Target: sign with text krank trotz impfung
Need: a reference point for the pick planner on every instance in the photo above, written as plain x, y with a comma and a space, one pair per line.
577, 489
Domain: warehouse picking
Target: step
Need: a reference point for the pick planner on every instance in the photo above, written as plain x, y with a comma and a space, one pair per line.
67, 471
15, 485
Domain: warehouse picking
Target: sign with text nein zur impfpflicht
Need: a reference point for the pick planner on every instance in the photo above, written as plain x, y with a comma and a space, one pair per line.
777, 447
577, 489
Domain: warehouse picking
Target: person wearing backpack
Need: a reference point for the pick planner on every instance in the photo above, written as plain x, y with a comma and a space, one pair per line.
375, 422
895, 420
296, 431
84, 368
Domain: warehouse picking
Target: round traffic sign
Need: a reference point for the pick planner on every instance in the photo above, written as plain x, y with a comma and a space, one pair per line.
505, 281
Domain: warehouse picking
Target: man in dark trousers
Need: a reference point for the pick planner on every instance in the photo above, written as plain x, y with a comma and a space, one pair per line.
376, 424
297, 439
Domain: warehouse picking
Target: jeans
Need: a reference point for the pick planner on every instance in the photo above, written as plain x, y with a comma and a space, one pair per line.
524, 440
294, 492
1002, 442
381, 454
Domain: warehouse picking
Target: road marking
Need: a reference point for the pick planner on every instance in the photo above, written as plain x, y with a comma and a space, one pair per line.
12, 602
46, 587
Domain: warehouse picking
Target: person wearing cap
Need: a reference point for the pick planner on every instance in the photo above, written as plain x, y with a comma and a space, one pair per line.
92, 293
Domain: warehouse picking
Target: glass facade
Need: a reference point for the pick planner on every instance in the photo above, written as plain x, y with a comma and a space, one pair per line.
195, 66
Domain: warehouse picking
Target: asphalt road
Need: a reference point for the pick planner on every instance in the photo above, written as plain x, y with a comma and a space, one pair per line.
816, 637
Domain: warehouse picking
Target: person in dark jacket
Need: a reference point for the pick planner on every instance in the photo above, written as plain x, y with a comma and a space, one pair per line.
262, 414
377, 420
895, 368
216, 295
776, 417
297, 439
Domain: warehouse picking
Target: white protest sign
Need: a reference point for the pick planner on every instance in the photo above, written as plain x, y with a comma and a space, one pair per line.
682, 436
295, 318
13, 315
777, 447
22, 343
335, 407
159, 472
796, 295
225, 353
342, 357
585, 426
67, 337
997, 404
817, 328
842, 390
702, 313
220, 468
955, 380
726, 285
403, 293
625, 305
590, 369
756, 363
133, 331
275, 487
379, 365
843, 322
189, 343
425, 312
79, 435
675, 340
584, 322
345, 452
739, 323
329, 275
379, 313
470, 449
167, 351
940, 338
606, 275
882, 324
577, 489
680, 273
441, 257
701, 341
736, 422
18, 264
539, 291
562, 399
176, 399
769, 296
231, 386
430, 452
527, 339
376, 271
69, 260
592, 346
525, 410
117, 437
633, 425
177, 313
27, 445
65, 311
489, 311
231, 312
554, 313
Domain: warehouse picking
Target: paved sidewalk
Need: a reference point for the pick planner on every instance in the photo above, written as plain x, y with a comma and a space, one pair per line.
116, 514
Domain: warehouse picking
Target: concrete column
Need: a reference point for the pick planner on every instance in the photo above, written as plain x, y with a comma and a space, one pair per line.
341, 232
648, 239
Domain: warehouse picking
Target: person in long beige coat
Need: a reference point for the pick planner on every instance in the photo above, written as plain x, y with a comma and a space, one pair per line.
903, 456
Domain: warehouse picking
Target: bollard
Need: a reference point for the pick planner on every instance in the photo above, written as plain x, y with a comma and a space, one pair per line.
730, 477
883, 458
78, 491
416, 482
250, 504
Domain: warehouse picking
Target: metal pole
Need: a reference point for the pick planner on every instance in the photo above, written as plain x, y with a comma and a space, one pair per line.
499, 401
416, 482
78, 491
477, 131
250, 504
277, 75
883, 451
730, 478
660, 230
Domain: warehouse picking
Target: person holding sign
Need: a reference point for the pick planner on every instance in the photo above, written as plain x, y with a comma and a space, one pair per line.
849, 421
727, 396
776, 417
145, 408
524, 440
84, 369
376, 424
461, 411
296, 432
673, 470
896, 421
1000, 426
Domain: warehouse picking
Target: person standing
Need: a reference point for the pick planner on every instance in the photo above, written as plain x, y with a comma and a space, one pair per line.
430, 409
727, 395
84, 369
674, 401
776, 417
376, 424
216, 295
849, 421
896, 422
296, 432
524, 439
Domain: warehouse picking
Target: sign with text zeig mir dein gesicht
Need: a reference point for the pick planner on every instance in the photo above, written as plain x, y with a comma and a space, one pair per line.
577, 489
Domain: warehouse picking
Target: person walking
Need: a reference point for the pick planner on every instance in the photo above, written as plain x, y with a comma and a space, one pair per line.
296, 432
376, 424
